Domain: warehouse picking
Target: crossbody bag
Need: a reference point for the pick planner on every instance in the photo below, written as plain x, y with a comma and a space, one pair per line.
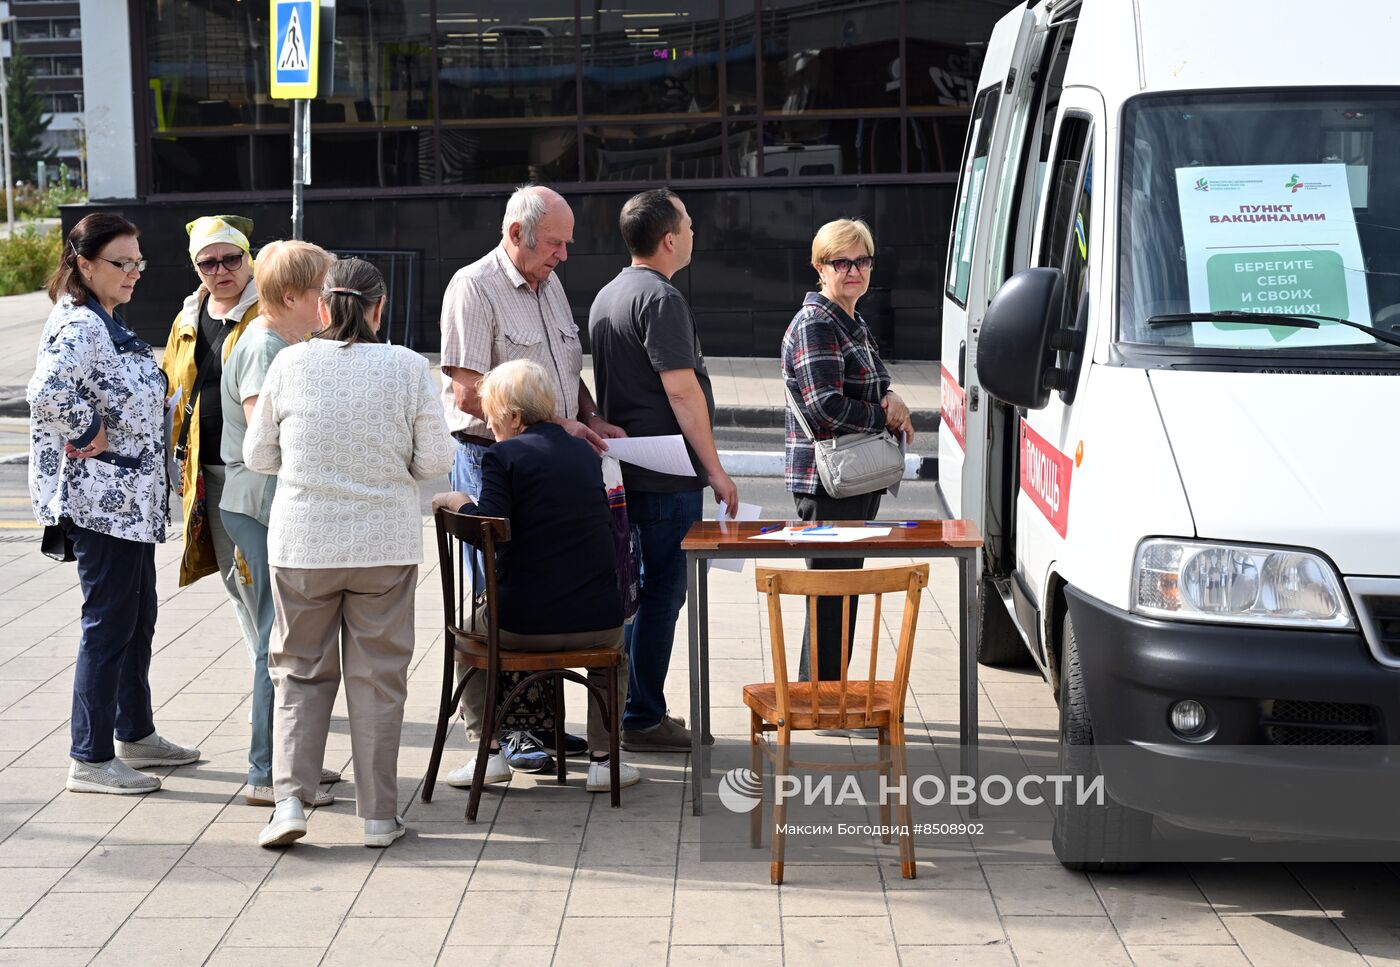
852, 463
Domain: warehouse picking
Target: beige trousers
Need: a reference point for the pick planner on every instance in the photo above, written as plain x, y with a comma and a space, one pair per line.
359, 621
474, 695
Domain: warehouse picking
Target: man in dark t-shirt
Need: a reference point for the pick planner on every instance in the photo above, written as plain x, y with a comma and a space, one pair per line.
650, 376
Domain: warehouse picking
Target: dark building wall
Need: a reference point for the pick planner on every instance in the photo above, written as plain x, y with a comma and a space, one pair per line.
747, 278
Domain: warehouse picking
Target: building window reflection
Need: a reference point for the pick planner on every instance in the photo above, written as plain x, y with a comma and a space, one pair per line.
831, 55
494, 92
506, 59
645, 58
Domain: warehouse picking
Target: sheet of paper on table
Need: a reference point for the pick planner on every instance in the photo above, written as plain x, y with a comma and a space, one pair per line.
826, 535
746, 512
663, 454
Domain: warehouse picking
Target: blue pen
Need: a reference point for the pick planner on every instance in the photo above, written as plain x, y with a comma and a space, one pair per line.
770, 528
819, 527
892, 523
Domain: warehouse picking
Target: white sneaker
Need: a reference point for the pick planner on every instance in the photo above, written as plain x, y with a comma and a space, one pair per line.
287, 825
263, 796
600, 776
497, 770
113, 777
379, 833
154, 751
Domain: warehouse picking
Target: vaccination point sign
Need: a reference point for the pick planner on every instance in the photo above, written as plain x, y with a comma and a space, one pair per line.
296, 27
1272, 238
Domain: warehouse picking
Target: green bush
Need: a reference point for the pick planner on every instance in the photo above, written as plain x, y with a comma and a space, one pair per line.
27, 259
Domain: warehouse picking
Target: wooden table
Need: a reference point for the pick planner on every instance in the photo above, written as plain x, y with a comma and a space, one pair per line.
709, 540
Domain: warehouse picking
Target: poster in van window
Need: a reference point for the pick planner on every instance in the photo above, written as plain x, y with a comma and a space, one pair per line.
1272, 238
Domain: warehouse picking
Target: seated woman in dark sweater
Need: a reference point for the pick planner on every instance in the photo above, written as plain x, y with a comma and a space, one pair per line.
556, 579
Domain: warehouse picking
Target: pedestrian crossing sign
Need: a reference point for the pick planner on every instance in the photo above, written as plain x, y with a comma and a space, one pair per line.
295, 32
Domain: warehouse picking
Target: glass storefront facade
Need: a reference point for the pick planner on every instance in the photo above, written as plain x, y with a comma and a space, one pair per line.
769, 117
463, 94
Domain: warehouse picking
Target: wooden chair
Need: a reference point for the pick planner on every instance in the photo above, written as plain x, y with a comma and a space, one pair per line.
479, 649
782, 707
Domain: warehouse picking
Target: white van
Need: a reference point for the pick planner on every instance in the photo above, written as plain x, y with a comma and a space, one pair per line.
1179, 453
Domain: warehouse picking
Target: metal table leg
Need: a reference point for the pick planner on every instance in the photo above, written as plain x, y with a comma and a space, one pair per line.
692, 619
967, 687
702, 576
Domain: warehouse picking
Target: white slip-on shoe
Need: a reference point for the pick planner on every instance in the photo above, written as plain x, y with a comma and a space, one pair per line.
154, 751
263, 796
287, 825
329, 776
497, 770
379, 833
600, 776
113, 777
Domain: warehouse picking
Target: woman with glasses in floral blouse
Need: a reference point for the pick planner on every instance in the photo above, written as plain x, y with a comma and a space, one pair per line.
97, 470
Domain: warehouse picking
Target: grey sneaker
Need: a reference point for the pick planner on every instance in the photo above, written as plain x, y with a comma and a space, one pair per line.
379, 833
287, 825
154, 751
263, 796
113, 777
329, 775
668, 735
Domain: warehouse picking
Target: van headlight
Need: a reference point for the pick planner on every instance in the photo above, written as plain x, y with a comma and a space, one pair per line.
1198, 581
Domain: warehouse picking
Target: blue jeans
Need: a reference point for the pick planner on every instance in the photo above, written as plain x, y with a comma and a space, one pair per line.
659, 522
250, 537
111, 681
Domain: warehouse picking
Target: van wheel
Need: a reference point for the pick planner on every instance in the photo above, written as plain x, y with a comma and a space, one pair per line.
999, 644
1108, 838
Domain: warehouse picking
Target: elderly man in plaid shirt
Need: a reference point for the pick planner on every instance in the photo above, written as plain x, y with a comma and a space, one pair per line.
510, 305
832, 368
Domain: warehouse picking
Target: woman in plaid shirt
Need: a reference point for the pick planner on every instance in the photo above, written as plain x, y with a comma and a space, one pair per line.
833, 371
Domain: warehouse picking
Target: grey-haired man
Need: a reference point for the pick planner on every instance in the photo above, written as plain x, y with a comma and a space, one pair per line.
510, 305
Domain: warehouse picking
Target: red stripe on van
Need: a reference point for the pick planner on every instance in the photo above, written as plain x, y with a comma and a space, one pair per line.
1045, 476
953, 406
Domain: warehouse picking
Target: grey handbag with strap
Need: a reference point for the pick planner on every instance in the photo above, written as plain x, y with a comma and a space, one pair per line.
853, 463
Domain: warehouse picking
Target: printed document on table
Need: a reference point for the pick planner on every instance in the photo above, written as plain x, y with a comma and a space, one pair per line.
746, 512
662, 454
825, 535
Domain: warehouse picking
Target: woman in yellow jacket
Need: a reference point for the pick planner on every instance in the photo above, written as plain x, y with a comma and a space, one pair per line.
203, 335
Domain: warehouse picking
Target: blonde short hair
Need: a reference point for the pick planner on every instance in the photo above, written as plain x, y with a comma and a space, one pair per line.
287, 267
519, 386
831, 238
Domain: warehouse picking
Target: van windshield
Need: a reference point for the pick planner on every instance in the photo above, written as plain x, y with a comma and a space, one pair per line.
1282, 202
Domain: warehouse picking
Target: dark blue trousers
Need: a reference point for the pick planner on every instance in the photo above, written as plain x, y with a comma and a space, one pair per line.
111, 684
659, 522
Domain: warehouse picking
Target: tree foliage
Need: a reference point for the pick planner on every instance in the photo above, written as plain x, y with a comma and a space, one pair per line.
29, 119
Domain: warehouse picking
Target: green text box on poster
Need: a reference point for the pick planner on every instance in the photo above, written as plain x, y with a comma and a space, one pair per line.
1290, 282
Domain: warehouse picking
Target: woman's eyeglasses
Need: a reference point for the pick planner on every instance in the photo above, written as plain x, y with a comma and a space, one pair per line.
128, 266
844, 266
229, 263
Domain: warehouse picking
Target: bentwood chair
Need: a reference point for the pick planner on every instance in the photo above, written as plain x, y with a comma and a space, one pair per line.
480, 651
782, 707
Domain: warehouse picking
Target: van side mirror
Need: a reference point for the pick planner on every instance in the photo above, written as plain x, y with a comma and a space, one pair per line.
1014, 351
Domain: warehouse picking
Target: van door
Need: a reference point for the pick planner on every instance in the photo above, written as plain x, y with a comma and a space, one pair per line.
964, 284
1071, 238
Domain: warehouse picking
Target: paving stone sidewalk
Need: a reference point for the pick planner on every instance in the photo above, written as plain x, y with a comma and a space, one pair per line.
551, 875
